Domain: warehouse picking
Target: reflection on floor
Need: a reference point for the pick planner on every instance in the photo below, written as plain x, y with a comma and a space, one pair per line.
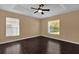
38, 45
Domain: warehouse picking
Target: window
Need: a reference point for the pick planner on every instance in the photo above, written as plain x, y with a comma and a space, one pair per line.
54, 27
12, 26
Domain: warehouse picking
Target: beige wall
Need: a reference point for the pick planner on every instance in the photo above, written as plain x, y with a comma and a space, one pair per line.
28, 26
69, 26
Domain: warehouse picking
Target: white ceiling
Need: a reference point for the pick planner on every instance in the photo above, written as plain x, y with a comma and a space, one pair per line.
55, 9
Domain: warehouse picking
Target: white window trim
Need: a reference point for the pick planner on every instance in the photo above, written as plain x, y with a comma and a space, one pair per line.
49, 29
17, 26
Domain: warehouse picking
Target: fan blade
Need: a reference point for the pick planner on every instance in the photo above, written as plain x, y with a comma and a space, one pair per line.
34, 8
35, 11
45, 9
42, 13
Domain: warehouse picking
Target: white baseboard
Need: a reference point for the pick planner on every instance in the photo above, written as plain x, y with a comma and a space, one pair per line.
61, 39
18, 39
37, 36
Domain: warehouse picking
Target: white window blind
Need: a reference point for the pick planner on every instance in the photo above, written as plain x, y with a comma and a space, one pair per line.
12, 26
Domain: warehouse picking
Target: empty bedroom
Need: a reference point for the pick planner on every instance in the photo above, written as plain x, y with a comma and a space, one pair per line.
39, 28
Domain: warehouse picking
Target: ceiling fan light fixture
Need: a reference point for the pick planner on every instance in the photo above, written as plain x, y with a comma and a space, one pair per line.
39, 11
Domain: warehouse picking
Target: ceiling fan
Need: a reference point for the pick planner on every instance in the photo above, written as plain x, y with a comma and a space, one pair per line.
40, 9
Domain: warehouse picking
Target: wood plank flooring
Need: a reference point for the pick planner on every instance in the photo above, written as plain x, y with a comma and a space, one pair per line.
39, 45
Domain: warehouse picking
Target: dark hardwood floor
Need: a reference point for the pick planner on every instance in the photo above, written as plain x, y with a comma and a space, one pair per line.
35, 45
39, 45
